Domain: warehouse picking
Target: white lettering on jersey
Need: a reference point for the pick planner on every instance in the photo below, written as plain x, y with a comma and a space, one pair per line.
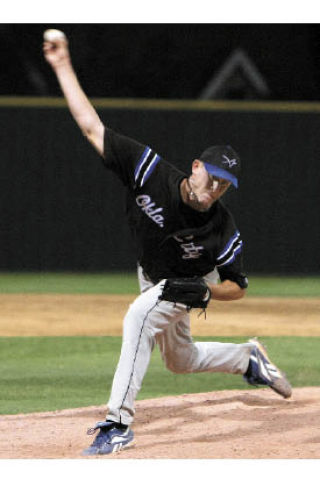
191, 250
150, 209
189, 238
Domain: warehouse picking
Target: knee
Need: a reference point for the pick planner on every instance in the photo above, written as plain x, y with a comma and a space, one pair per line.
177, 367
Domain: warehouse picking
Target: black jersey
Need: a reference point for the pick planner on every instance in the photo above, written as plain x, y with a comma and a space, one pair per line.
173, 240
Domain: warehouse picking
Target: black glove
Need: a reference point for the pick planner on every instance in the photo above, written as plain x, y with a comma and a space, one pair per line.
193, 292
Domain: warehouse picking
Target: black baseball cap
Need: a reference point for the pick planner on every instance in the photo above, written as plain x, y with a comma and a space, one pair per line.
223, 162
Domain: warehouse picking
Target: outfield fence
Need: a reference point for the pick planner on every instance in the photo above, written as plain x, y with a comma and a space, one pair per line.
62, 210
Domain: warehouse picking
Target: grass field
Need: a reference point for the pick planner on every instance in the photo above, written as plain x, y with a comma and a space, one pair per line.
126, 283
43, 374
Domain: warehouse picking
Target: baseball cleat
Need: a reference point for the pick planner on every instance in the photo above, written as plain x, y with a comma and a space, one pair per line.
112, 437
261, 371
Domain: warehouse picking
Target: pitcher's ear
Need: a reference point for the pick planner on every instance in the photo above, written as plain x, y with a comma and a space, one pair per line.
196, 163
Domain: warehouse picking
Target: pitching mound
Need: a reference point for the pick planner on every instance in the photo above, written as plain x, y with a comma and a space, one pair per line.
221, 424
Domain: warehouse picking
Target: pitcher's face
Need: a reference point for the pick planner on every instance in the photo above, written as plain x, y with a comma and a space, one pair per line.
207, 188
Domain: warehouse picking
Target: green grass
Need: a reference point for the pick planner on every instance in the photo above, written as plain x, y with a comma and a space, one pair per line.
286, 286
126, 282
69, 283
44, 374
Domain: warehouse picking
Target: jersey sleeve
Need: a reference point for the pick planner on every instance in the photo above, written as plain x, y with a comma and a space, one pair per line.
229, 261
130, 160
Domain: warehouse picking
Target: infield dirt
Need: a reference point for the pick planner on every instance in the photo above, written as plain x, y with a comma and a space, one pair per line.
218, 425
221, 424
94, 315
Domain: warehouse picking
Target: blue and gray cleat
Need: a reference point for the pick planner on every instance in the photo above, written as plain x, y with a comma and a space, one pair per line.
261, 371
112, 437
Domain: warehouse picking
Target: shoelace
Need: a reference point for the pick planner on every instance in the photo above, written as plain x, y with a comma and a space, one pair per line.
107, 425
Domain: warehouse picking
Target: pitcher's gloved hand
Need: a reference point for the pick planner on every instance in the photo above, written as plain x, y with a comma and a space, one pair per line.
193, 292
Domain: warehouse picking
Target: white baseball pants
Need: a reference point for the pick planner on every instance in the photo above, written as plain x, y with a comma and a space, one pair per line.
148, 322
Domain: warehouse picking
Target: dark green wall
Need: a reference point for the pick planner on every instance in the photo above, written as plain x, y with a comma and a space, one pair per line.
62, 210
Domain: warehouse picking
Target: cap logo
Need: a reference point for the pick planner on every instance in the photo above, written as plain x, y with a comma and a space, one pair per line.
230, 163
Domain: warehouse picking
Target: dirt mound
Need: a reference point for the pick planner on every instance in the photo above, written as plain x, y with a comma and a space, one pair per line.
221, 424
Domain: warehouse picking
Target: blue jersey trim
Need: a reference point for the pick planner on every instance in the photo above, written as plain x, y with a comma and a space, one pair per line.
236, 251
141, 162
229, 245
150, 169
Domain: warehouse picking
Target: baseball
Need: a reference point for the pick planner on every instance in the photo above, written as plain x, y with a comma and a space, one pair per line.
53, 35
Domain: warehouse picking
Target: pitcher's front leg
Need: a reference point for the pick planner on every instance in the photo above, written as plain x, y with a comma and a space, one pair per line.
146, 318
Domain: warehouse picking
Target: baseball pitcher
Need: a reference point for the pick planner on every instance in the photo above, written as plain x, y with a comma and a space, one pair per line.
189, 253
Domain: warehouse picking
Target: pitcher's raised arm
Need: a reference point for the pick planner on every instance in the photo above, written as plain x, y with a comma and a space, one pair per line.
56, 52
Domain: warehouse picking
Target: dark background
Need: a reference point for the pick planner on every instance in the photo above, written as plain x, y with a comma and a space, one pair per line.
61, 210
164, 60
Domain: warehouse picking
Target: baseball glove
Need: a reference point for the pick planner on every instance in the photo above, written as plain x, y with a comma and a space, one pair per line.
193, 292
